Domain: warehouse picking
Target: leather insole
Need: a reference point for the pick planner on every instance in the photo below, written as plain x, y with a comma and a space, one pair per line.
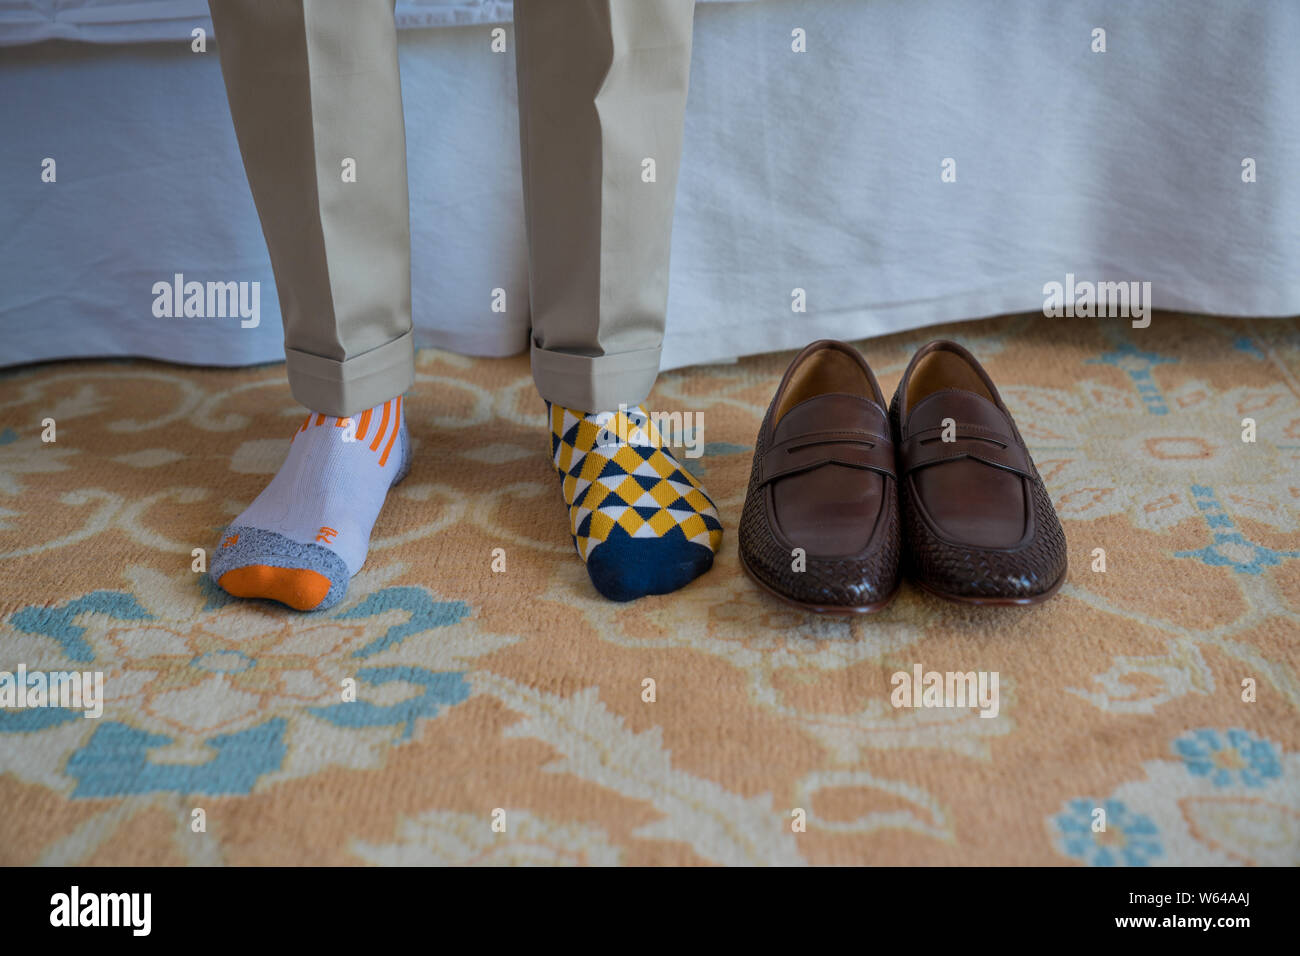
825, 371
943, 369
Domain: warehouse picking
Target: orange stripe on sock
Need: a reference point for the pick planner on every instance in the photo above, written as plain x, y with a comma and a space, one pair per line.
397, 424
363, 425
383, 425
320, 419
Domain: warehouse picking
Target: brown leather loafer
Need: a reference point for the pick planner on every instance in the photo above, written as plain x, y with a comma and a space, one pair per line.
979, 524
823, 481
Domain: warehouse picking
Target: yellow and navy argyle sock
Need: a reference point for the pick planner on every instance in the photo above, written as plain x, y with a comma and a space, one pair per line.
640, 521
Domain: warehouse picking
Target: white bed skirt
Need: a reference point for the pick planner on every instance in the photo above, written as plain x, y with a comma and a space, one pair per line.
819, 171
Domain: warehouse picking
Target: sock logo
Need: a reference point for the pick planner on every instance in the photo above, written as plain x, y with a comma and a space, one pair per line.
229, 541
326, 535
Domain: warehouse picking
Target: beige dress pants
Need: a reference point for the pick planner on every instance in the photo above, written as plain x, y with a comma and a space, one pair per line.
314, 92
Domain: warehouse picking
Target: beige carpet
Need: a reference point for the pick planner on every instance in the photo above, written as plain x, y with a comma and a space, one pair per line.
1163, 691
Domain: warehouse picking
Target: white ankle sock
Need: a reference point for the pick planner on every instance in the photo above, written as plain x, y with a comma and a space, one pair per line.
308, 531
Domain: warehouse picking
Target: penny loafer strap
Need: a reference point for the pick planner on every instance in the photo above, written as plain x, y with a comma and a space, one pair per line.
927, 447
850, 447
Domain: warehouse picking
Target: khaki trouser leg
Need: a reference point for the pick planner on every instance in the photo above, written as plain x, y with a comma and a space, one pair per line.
312, 84
602, 88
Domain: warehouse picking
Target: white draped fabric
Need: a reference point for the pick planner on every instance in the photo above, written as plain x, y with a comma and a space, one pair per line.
814, 177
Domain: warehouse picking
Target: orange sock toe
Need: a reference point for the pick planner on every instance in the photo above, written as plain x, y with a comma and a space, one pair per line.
300, 588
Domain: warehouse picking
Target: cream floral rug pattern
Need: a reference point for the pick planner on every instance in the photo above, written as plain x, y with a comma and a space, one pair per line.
505, 713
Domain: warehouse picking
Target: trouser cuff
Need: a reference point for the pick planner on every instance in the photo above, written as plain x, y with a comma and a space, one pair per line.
595, 383
343, 388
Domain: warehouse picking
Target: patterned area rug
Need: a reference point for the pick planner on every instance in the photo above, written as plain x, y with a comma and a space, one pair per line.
505, 716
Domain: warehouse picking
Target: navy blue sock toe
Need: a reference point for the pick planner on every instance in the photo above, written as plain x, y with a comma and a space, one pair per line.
624, 568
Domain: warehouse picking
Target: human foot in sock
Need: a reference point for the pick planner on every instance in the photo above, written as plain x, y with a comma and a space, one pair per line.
640, 521
308, 532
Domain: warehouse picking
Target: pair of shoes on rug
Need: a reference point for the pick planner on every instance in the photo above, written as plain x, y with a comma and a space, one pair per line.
844, 497
639, 520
